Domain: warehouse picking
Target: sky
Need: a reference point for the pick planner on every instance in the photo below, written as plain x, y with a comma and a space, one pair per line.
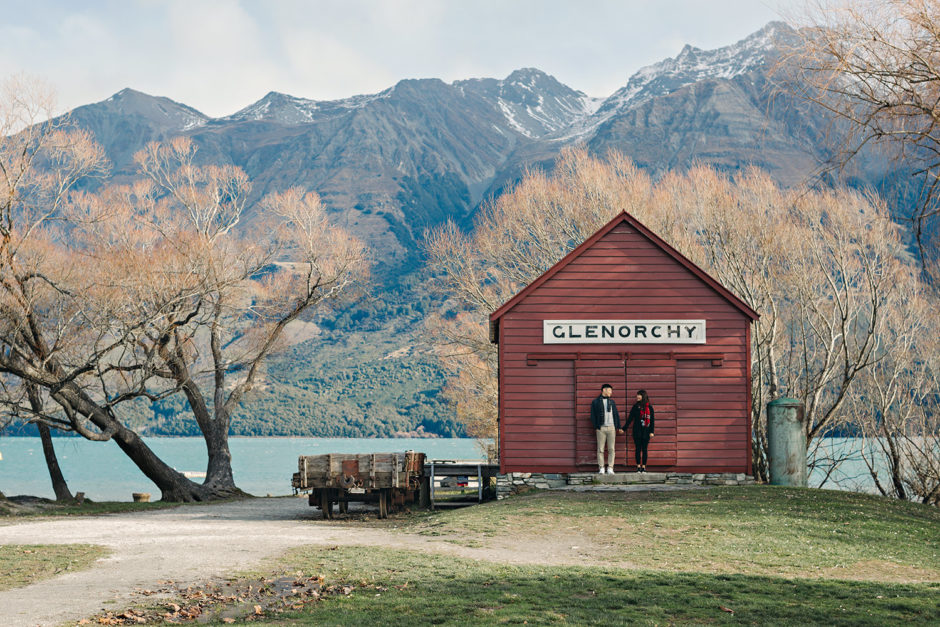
219, 56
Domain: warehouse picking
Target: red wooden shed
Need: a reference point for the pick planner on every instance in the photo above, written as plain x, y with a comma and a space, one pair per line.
624, 308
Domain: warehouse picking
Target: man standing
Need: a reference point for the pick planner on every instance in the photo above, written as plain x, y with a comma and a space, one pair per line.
606, 421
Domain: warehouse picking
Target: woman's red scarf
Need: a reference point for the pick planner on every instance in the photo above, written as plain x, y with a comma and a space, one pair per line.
645, 415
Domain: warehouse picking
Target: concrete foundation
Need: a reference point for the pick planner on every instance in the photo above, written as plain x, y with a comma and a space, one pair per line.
515, 482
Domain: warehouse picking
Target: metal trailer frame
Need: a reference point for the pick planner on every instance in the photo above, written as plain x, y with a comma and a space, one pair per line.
387, 479
439, 468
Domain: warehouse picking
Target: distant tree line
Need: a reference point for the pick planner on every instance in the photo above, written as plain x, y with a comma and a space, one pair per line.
845, 324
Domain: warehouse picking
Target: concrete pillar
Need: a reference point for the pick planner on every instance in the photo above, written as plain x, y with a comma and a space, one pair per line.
787, 442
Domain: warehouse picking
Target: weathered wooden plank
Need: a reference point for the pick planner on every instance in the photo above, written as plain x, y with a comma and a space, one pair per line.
694, 409
673, 308
651, 305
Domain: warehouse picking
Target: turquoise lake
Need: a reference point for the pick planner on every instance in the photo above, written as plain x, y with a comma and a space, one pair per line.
265, 465
261, 465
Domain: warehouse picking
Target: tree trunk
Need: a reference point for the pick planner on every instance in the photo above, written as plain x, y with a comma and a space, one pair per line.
894, 457
219, 478
173, 485
759, 455
219, 482
59, 486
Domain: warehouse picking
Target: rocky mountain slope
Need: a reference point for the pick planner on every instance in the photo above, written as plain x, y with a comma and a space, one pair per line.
394, 163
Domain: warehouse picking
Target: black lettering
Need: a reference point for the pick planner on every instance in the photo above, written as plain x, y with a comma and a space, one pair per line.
623, 331
590, 330
673, 330
558, 331
656, 331
607, 331
571, 332
639, 330
690, 331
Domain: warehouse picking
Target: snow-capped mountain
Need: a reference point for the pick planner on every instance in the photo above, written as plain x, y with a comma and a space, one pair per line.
162, 112
532, 102
128, 120
423, 150
694, 64
690, 66
287, 109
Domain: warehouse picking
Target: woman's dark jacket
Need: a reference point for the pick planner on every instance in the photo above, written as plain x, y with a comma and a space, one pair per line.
639, 431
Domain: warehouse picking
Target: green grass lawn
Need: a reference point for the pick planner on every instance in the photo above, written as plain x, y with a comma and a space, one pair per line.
756, 555
23, 564
737, 555
407, 588
750, 530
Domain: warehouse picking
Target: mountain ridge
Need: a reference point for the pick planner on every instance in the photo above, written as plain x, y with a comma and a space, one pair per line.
393, 164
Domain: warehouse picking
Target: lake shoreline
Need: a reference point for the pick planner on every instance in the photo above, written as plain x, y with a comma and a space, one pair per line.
260, 464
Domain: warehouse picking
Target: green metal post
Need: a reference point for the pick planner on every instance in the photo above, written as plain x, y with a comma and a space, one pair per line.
786, 438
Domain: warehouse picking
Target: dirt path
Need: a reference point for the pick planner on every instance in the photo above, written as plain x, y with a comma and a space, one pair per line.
196, 543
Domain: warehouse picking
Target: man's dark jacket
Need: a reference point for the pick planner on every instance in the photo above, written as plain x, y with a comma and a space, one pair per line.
597, 412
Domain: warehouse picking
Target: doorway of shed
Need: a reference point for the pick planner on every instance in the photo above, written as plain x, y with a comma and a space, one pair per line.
657, 376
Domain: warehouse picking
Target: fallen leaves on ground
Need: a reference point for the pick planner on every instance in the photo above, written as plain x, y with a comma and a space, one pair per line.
232, 601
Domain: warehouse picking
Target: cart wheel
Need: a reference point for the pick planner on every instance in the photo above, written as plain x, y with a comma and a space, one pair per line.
325, 504
383, 503
343, 506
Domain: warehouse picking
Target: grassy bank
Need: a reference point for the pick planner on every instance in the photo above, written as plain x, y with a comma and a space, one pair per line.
14, 509
722, 555
407, 588
23, 564
752, 530
756, 555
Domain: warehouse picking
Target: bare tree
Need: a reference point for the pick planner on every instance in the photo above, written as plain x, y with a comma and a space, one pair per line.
821, 267
921, 450
897, 416
245, 286
40, 162
875, 65
154, 289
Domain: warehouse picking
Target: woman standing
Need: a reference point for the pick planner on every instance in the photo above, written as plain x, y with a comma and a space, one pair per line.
643, 419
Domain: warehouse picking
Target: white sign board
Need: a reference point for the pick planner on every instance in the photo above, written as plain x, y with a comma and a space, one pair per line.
623, 331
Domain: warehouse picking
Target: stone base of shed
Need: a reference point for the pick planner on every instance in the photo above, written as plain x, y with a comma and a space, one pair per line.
514, 482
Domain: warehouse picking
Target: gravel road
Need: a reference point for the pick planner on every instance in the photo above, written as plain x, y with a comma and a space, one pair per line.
185, 544
196, 543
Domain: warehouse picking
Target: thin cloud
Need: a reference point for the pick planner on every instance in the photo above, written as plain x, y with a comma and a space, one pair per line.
219, 56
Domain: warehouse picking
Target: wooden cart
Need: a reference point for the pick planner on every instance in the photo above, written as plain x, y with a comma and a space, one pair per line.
388, 479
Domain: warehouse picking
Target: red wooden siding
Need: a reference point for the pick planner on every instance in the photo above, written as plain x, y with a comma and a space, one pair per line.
537, 411
591, 375
713, 424
546, 390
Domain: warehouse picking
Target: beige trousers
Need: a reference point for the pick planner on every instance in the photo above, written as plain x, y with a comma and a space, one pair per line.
606, 436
